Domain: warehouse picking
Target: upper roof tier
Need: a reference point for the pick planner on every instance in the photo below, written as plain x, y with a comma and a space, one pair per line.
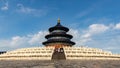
58, 27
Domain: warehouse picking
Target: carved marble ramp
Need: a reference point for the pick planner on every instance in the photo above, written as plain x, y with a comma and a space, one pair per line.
58, 54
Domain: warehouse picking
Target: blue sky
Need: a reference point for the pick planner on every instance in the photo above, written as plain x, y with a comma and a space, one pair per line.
94, 23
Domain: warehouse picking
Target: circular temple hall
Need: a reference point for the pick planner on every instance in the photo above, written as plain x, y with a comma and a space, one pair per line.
59, 46
58, 36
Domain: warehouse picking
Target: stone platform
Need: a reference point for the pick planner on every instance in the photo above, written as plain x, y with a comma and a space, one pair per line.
68, 53
60, 64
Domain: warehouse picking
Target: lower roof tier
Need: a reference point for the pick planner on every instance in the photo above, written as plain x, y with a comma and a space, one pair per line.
58, 41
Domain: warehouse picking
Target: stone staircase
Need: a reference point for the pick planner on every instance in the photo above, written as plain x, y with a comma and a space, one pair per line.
58, 54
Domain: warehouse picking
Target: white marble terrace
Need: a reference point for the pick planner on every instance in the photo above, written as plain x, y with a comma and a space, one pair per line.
45, 53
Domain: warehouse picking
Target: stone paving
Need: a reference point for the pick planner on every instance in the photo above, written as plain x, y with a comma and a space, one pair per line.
60, 64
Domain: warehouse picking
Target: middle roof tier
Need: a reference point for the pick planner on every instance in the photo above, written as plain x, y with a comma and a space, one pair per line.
59, 35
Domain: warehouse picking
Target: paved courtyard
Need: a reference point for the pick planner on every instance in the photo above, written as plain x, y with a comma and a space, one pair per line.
60, 64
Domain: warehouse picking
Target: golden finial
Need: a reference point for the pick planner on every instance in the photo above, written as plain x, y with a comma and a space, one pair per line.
58, 21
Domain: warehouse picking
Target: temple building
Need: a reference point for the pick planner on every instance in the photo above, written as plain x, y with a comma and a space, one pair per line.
58, 37
59, 46
1, 52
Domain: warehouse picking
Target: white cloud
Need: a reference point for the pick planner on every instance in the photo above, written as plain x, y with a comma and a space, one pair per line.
17, 41
91, 31
97, 28
32, 11
87, 35
76, 34
111, 48
77, 37
25, 9
98, 31
5, 6
37, 38
24, 41
117, 26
